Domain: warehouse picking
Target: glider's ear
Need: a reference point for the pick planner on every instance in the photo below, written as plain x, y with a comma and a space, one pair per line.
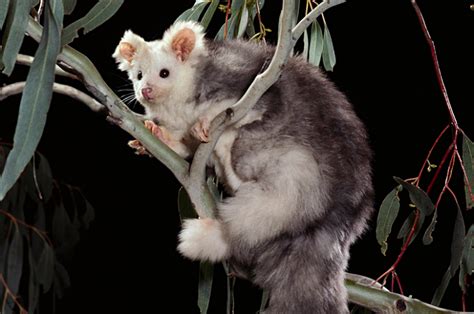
127, 49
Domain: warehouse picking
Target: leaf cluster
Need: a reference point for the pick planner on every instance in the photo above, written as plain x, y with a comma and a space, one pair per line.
40, 222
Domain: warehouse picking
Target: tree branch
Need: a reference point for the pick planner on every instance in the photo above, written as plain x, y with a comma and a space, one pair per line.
366, 292
17, 88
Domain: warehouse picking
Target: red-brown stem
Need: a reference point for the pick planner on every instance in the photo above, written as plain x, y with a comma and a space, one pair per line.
434, 57
227, 12
404, 247
438, 170
418, 179
466, 179
399, 283
42, 234
8, 292
447, 179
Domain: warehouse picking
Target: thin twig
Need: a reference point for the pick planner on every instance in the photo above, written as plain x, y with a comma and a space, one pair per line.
8, 292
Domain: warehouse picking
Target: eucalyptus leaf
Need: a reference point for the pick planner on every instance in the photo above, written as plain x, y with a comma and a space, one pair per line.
206, 19
407, 225
419, 197
36, 98
14, 32
462, 279
3, 15
439, 293
100, 13
64, 234
33, 287
69, 6
264, 301
15, 261
316, 45
305, 44
388, 212
468, 252
185, 207
45, 268
194, 13
89, 213
61, 279
244, 19
468, 163
457, 242
329, 56
428, 236
206, 274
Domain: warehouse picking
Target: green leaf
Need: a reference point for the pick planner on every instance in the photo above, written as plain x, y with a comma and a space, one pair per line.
35, 99
65, 234
388, 212
194, 13
264, 302
316, 44
206, 274
33, 288
89, 213
439, 293
15, 261
305, 44
462, 279
428, 236
185, 207
468, 252
61, 279
206, 20
407, 225
244, 19
3, 14
468, 163
69, 6
457, 242
418, 197
329, 56
15, 26
213, 186
45, 268
100, 13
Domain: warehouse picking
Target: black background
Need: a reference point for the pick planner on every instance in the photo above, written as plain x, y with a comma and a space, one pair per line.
127, 261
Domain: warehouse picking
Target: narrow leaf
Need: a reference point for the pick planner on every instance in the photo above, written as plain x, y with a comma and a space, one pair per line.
439, 293
15, 26
329, 56
316, 44
35, 99
305, 44
244, 19
185, 207
33, 288
388, 212
206, 20
428, 236
264, 302
468, 163
193, 13
45, 268
462, 279
206, 274
61, 279
69, 6
15, 261
418, 197
3, 13
407, 225
100, 13
457, 242
468, 252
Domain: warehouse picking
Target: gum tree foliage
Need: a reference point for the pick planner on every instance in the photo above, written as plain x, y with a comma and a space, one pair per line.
35, 238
